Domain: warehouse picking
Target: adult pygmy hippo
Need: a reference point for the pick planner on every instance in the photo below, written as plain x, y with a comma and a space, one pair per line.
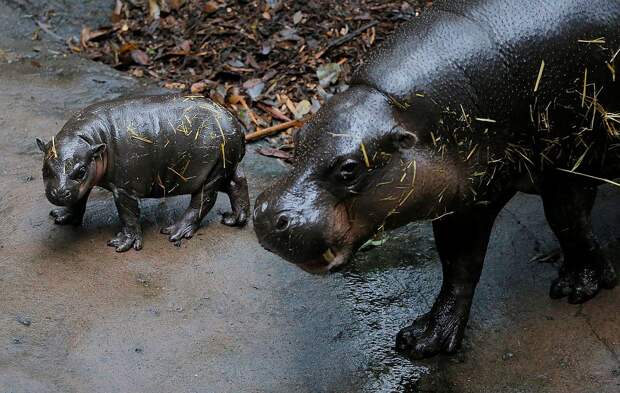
147, 147
463, 107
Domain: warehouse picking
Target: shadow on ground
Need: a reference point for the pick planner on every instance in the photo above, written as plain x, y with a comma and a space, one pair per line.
220, 314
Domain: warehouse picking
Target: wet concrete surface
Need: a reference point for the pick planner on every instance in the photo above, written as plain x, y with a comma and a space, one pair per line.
220, 314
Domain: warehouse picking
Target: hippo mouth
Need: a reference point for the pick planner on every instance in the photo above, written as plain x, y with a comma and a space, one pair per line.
335, 255
336, 258
329, 260
317, 241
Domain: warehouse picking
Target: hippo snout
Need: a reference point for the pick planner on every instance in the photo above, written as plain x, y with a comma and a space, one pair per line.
60, 196
283, 228
270, 221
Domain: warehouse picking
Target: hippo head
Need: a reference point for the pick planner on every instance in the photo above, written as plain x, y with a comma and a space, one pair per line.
361, 164
70, 168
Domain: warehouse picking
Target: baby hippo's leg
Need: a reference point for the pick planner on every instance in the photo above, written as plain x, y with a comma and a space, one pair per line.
129, 213
201, 203
71, 214
237, 190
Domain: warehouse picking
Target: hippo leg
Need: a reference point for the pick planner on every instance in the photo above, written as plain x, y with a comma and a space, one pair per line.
71, 214
201, 203
461, 240
585, 270
237, 190
129, 213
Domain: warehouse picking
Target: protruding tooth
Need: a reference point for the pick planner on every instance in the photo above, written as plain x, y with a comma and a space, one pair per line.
329, 255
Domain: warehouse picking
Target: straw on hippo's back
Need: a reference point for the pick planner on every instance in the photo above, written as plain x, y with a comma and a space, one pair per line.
147, 147
455, 113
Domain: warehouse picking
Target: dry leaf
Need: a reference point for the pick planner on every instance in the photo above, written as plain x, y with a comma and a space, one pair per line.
154, 9
210, 7
198, 87
328, 74
174, 85
137, 72
183, 49
302, 109
87, 35
235, 99
275, 153
127, 47
116, 14
140, 57
254, 87
84, 36
175, 4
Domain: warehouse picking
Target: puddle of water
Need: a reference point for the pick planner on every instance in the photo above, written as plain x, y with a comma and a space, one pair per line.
389, 286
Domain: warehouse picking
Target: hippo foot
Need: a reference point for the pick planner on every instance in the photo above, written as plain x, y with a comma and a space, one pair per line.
125, 240
583, 284
65, 216
234, 219
180, 230
432, 333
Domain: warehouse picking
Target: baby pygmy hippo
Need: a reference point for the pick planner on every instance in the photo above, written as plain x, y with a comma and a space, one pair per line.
147, 147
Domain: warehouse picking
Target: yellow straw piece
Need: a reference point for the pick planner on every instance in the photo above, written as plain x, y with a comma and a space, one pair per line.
600, 41
585, 86
366, 161
53, 151
540, 74
613, 183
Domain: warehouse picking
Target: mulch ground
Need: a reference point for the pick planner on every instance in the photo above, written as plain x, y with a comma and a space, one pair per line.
273, 63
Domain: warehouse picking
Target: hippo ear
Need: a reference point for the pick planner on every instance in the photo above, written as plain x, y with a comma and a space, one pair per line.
41, 145
404, 139
96, 150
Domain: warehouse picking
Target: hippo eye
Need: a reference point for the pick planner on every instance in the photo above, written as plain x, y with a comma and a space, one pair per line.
349, 171
79, 173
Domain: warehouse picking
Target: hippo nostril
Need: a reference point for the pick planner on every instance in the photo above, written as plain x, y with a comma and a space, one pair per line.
282, 223
66, 194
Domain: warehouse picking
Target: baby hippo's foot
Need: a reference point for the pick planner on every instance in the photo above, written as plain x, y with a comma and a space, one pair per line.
235, 219
440, 330
65, 216
582, 283
185, 228
127, 239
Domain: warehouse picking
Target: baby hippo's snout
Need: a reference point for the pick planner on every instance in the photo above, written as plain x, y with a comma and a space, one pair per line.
283, 228
59, 196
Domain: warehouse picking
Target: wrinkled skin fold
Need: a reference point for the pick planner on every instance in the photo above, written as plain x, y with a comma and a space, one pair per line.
147, 147
468, 104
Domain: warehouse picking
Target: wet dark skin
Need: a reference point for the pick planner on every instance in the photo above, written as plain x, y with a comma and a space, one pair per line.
468, 104
147, 147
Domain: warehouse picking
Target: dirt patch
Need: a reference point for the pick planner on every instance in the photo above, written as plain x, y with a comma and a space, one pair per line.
270, 61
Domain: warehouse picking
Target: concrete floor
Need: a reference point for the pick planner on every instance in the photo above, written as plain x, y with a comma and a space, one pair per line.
220, 314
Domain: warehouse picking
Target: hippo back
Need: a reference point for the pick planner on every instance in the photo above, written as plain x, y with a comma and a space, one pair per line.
486, 54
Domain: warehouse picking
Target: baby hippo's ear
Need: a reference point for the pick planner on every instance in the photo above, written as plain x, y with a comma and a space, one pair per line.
42, 145
96, 150
403, 139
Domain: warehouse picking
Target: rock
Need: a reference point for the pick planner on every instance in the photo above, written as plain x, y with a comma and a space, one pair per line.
26, 321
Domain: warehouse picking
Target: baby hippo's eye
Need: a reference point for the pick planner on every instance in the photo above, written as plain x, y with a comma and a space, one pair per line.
80, 173
349, 171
